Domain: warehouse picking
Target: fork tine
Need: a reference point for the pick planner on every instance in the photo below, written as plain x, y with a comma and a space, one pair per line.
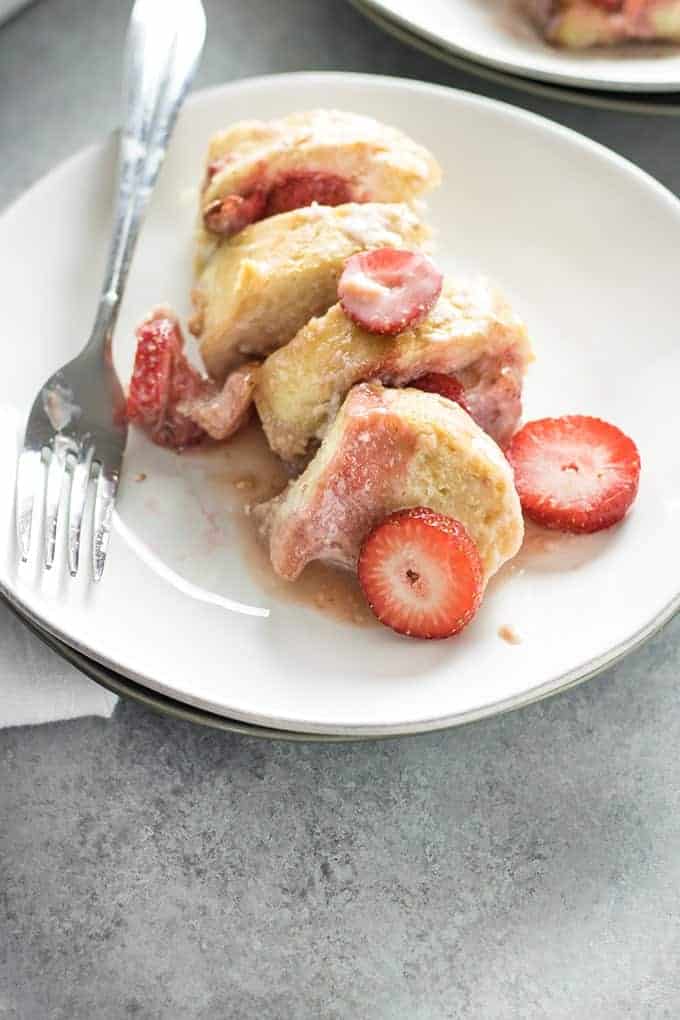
79, 485
103, 512
55, 477
29, 470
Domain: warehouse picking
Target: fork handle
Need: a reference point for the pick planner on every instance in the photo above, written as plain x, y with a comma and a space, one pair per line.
162, 51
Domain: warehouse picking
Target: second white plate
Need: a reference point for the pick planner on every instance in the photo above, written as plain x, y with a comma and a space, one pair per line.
493, 33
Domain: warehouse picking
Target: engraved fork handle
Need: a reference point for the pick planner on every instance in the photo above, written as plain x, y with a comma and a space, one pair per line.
162, 51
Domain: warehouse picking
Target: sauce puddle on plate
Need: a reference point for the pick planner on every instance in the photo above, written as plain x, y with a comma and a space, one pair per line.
248, 474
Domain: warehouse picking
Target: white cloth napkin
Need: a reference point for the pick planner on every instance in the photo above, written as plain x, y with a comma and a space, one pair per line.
38, 686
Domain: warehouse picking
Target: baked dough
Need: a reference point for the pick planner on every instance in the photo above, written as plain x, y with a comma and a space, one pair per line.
259, 288
471, 332
329, 156
390, 449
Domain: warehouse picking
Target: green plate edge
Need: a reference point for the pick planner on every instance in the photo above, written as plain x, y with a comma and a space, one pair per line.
179, 710
124, 688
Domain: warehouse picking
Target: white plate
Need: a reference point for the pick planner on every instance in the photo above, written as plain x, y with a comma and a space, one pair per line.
489, 31
586, 245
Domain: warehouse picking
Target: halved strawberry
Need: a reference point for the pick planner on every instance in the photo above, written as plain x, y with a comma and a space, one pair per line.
387, 290
303, 187
445, 385
421, 573
575, 473
162, 378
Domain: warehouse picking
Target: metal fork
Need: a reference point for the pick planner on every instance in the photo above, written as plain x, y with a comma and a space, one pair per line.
76, 425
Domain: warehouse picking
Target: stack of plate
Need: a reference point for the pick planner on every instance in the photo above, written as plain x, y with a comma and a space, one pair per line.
487, 38
180, 620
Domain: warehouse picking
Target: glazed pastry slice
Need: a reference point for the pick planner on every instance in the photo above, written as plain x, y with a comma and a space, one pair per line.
579, 24
257, 169
390, 449
258, 289
471, 333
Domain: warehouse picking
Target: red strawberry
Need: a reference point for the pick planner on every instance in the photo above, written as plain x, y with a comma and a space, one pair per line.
227, 216
301, 188
575, 473
421, 573
216, 166
387, 290
161, 379
445, 385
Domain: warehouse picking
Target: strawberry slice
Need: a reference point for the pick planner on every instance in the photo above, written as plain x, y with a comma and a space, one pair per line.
445, 385
303, 187
575, 473
421, 573
161, 379
387, 290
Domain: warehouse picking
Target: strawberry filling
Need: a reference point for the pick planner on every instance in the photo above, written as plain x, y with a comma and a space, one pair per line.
490, 390
298, 189
227, 216
445, 385
293, 190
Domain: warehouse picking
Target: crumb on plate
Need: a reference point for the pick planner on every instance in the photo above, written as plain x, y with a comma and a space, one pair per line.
509, 634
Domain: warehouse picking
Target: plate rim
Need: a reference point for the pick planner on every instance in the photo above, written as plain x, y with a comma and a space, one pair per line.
597, 100
577, 674
174, 708
99, 670
380, 8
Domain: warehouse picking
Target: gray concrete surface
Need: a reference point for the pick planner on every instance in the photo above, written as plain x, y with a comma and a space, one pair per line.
526, 867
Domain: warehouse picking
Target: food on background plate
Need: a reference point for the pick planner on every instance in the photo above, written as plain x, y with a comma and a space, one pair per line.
470, 333
258, 289
580, 24
314, 303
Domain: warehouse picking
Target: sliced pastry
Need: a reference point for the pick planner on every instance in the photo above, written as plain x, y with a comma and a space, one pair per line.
471, 334
390, 449
260, 288
258, 168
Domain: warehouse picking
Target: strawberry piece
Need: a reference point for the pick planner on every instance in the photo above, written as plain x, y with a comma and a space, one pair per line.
215, 166
445, 385
227, 216
575, 473
421, 573
387, 290
222, 414
303, 187
161, 379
